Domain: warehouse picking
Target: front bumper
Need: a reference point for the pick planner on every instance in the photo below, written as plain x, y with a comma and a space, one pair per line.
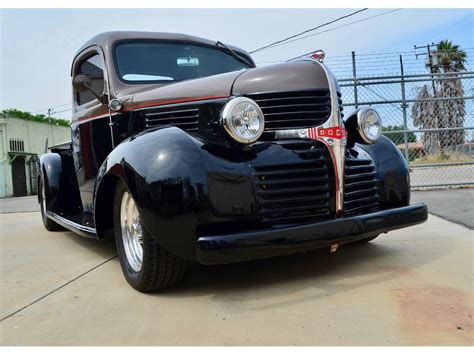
230, 248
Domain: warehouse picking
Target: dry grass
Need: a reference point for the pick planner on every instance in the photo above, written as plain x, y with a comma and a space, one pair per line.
452, 157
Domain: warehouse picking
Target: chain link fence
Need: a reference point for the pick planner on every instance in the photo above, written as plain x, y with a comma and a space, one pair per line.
428, 116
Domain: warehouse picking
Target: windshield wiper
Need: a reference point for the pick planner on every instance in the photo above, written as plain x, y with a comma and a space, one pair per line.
234, 54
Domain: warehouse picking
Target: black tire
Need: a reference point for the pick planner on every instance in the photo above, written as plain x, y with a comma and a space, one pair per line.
160, 269
49, 224
365, 241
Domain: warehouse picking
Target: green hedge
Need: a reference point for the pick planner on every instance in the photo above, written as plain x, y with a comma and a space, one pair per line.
30, 117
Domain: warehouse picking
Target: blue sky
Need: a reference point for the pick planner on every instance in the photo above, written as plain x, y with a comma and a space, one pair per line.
37, 45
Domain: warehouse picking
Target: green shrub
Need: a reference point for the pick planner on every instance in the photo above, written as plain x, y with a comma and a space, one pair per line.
30, 117
398, 138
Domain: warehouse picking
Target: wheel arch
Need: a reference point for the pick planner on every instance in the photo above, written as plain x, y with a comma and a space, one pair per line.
103, 207
164, 172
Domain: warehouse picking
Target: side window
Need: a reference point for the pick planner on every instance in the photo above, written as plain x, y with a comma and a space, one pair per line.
93, 67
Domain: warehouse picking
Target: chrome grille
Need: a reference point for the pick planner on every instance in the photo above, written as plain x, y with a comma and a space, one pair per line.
184, 117
296, 192
295, 109
361, 186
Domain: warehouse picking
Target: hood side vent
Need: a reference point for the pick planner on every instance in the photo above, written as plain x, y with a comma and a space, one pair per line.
184, 117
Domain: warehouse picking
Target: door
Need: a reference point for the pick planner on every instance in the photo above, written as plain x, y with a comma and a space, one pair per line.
19, 176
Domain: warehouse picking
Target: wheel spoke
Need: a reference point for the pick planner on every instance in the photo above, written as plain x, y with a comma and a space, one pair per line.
132, 232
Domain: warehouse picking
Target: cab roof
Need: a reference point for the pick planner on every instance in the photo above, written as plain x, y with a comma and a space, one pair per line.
107, 39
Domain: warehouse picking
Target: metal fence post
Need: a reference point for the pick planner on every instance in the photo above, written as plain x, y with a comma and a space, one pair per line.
404, 110
354, 78
395, 94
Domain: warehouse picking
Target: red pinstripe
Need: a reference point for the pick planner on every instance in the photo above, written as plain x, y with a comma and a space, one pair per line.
156, 104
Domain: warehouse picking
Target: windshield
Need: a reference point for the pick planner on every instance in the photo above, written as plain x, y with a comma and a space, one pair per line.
139, 62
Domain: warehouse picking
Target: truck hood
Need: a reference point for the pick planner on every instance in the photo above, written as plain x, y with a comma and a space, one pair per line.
295, 76
216, 86
304, 75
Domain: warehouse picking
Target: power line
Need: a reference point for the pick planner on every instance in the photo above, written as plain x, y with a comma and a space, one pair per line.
372, 54
368, 57
309, 30
69, 109
52, 107
380, 96
328, 30
463, 29
449, 28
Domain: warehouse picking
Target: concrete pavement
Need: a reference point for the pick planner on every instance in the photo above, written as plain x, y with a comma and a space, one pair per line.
455, 205
19, 204
413, 286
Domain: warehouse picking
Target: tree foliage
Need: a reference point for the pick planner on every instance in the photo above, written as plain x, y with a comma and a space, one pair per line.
30, 117
451, 57
429, 113
398, 138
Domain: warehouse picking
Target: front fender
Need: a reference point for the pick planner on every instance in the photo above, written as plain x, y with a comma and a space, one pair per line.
392, 172
163, 171
62, 191
51, 171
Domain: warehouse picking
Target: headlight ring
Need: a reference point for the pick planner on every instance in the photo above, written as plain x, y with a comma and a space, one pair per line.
369, 125
243, 120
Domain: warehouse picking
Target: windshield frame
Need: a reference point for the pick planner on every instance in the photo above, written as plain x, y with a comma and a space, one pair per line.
168, 82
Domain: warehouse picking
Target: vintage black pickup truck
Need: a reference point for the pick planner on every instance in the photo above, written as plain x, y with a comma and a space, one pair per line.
182, 149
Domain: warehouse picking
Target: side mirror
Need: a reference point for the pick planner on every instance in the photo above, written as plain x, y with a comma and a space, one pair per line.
82, 82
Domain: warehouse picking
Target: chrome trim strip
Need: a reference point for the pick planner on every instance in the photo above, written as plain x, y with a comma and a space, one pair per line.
89, 231
336, 146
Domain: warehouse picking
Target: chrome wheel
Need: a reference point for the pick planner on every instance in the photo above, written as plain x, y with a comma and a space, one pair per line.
43, 197
132, 233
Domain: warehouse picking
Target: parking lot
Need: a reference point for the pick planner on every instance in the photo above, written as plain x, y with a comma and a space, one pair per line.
408, 287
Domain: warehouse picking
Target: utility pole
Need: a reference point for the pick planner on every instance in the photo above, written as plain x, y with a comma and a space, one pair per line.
404, 111
50, 111
430, 63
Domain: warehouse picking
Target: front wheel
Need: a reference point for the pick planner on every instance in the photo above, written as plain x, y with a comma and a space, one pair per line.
49, 224
145, 264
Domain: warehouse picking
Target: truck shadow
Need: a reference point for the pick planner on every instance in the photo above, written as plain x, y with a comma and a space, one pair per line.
102, 248
282, 281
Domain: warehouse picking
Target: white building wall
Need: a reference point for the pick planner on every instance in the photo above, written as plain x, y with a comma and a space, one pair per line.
34, 135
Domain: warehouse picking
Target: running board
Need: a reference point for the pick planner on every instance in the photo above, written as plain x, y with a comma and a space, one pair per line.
73, 226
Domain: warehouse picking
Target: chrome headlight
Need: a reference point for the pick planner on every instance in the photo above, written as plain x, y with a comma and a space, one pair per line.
369, 125
243, 120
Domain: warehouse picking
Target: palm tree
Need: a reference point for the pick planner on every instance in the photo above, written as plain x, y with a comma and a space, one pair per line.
450, 57
448, 113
